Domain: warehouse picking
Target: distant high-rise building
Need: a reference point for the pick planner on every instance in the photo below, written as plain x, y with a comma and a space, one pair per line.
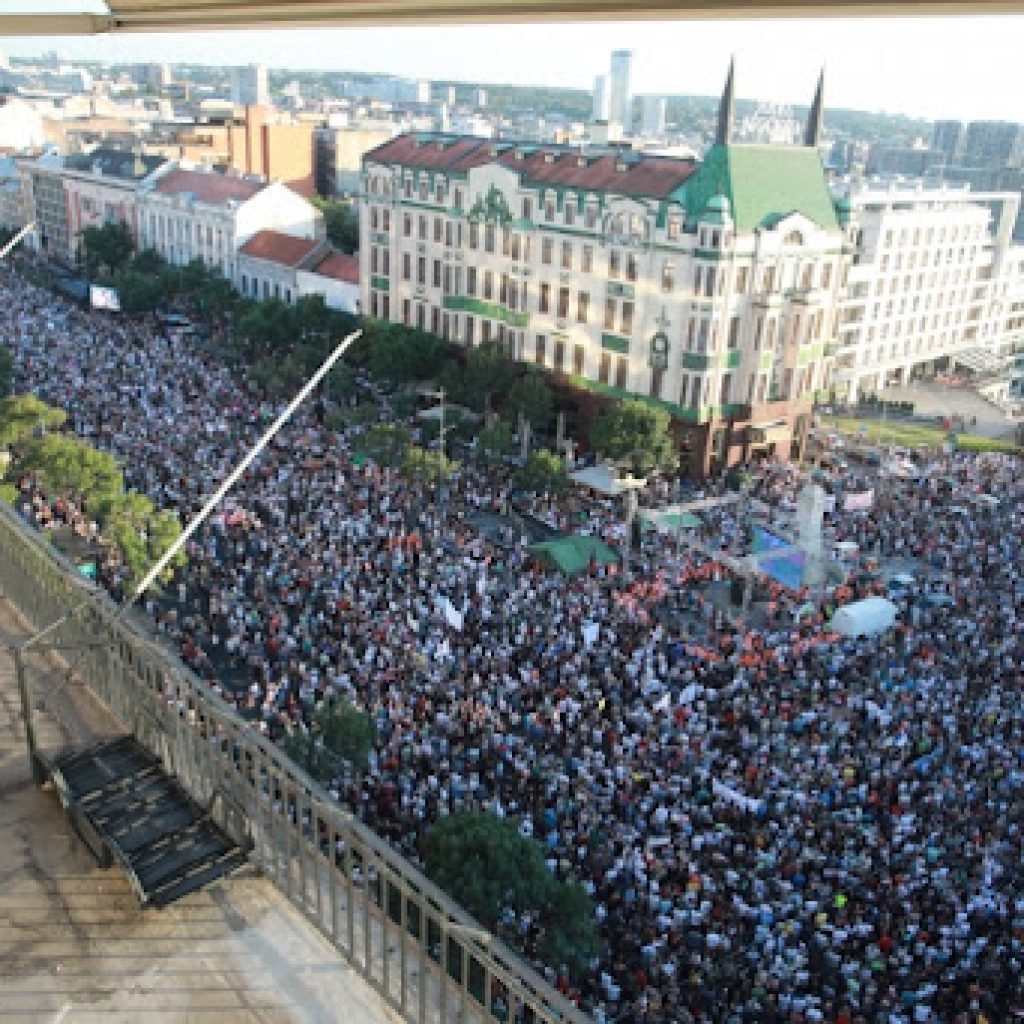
448, 95
249, 86
479, 97
948, 139
600, 110
993, 144
619, 94
653, 123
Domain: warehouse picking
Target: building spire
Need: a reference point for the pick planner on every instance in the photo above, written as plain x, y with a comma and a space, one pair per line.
727, 107
816, 117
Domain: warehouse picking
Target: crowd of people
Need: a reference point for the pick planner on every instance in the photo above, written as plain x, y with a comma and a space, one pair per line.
775, 823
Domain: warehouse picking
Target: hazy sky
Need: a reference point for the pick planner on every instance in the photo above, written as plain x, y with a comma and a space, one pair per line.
965, 67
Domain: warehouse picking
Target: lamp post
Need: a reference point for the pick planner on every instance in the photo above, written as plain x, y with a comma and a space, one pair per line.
440, 395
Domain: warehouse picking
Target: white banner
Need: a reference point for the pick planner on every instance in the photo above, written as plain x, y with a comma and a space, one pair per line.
859, 501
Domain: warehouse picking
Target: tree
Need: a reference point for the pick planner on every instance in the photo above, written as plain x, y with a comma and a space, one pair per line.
70, 467
385, 443
482, 861
139, 292
401, 354
341, 222
23, 415
141, 534
421, 464
531, 395
341, 734
635, 433
544, 471
486, 374
495, 440
109, 246
6, 372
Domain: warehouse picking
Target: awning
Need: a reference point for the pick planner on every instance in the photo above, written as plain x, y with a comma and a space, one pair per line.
606, 481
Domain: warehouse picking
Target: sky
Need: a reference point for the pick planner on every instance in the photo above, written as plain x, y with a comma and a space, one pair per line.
939, 67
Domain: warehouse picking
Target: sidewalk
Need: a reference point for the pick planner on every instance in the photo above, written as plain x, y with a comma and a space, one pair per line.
75, 947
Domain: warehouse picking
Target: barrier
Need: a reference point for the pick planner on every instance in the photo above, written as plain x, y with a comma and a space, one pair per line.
425, 956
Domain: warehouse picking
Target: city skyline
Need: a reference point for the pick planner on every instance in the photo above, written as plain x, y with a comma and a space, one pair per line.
908, 70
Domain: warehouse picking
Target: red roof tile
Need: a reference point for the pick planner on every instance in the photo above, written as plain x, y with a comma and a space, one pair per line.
339, 267
653, 177
279, 248
207, 186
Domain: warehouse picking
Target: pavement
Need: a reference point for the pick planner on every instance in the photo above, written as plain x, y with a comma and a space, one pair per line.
76, 948
933, 399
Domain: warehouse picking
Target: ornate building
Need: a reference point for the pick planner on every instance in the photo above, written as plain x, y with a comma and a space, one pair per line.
708, 288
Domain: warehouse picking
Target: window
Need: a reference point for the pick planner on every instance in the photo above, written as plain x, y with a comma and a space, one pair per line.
471, 280
563, 303
474, 236
684, 387
605, 369
578, 355
549, 209
590, 217
406, 312
587, 260
470, 330
621, 368
826, 275
570, 212
609, 314
583, 307
631, 267
485, 331
373, 259
406, 267
734, 332
438, 229
489, 238
515, 246
527, 208
435, 320
741, 279
423, 190
546, 250
614, 263
726, 389
458, 199
437, 274
488, 284
373, 217
567, 255
385, 262
423, 228
709, 283
627, 317
407, 225
545, 298
668, 276
673, 229
439, 196
421, 270
560, 355
541, 346
657, 375
386, 220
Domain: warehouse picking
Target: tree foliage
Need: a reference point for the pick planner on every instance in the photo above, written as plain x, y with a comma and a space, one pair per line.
636, 434
385, 443
341, 734
543, 472
6, 372
341, 222
423, 464
482, 861
141, 534
69, 467
487, 373
531, 395
108, 247
22, 415
400, 354
495, 441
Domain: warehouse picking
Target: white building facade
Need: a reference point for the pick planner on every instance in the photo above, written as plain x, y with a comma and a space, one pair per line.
710, 290
935, 282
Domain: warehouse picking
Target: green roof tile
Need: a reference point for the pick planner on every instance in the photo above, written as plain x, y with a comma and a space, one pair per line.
762, 184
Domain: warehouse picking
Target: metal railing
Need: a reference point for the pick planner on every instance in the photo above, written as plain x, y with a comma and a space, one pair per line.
424, 955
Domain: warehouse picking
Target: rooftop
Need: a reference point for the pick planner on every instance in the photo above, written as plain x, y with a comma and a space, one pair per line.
340, 267
624, 173
208, 187
115, 163
279, 248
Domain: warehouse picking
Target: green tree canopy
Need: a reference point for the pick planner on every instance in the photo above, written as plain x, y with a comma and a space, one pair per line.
385, 443
22, 415
532, 396
6, 372
70, 467
637, 434
423, 464
341, 734
140, 292
141, 534
108, 247
341, 222
495, 440
400, 354
543, 471
484, 863
487, 373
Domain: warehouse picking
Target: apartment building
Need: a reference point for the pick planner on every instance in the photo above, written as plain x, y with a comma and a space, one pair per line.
708, 288
933, 270
191, 214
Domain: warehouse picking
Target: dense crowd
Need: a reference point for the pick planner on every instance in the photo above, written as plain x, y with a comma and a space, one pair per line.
775, 823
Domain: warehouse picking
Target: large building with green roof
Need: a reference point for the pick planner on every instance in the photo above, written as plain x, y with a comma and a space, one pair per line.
706, 287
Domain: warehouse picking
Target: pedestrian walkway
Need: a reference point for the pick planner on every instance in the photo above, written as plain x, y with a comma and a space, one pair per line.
76, 948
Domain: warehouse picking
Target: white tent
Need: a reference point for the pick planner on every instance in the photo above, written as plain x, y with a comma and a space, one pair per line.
604, 480
870, 617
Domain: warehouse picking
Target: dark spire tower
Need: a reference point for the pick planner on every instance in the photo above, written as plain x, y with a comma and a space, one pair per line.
727, 108
816, 118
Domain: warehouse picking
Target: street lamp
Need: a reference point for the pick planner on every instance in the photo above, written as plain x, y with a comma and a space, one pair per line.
440, 394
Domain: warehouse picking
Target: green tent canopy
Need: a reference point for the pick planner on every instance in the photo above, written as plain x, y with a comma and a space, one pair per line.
672, 520
572, 554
